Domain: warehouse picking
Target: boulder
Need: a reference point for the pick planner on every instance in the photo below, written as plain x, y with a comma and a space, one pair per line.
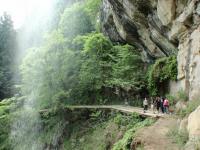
194, 124
183, 125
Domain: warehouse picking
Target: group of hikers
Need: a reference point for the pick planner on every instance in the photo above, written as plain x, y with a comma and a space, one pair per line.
160, 104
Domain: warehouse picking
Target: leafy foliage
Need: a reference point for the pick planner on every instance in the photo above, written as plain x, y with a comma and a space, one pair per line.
164, 69
125, 142
182, 96
7, 51
6, 117
75, 21
92, 8
114, 132
191, 106
94, 70
53, 70
127, 71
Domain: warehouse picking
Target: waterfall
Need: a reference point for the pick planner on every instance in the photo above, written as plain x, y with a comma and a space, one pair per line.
26, 127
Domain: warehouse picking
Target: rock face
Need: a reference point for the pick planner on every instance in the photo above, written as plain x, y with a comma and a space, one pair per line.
166, 10
183, 125
194, 124
135, 22
159, 28
193, 128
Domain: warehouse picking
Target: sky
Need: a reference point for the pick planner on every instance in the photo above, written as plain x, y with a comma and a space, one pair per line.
21, 9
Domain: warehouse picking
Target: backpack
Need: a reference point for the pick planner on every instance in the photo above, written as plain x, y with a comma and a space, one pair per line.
166, 102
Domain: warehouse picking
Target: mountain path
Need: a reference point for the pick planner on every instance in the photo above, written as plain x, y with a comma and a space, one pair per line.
121, 108
155, 137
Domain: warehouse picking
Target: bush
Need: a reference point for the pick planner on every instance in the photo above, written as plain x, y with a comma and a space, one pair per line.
163, 70
125, 142
129, 121
191, 106
172, 99
182, 96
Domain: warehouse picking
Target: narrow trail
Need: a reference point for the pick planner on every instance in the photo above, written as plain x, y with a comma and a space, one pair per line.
155, 137
121, 108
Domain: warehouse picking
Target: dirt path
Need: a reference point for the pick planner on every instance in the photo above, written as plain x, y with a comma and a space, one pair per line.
155, 137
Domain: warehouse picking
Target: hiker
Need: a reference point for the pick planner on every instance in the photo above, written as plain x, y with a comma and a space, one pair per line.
145, 104
158, 104
166, 106
161, 104
126, 102
153, 104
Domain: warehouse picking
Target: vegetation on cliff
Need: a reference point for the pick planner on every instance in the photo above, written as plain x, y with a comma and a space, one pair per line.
160, 73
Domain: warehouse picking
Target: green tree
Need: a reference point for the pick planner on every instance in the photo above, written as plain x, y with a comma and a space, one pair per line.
7, 53
128, 71
50, 69
93, 70
75, 21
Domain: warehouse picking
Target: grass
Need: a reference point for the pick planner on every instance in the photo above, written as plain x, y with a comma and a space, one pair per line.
180, 96
179, 137
140, 147
191, 106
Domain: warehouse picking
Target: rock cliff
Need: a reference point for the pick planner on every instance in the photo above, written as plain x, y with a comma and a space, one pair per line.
159, 28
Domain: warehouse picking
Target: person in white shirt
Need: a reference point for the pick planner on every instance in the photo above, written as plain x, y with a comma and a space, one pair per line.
145, 104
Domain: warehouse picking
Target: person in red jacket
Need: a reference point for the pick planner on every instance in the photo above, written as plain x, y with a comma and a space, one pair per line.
166, 105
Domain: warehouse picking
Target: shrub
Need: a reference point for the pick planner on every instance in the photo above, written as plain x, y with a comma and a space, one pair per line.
172, 99
125, 142
191, 106
182, 96
163, 70
129, 121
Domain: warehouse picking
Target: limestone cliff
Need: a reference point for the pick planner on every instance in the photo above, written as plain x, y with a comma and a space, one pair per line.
159, 28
